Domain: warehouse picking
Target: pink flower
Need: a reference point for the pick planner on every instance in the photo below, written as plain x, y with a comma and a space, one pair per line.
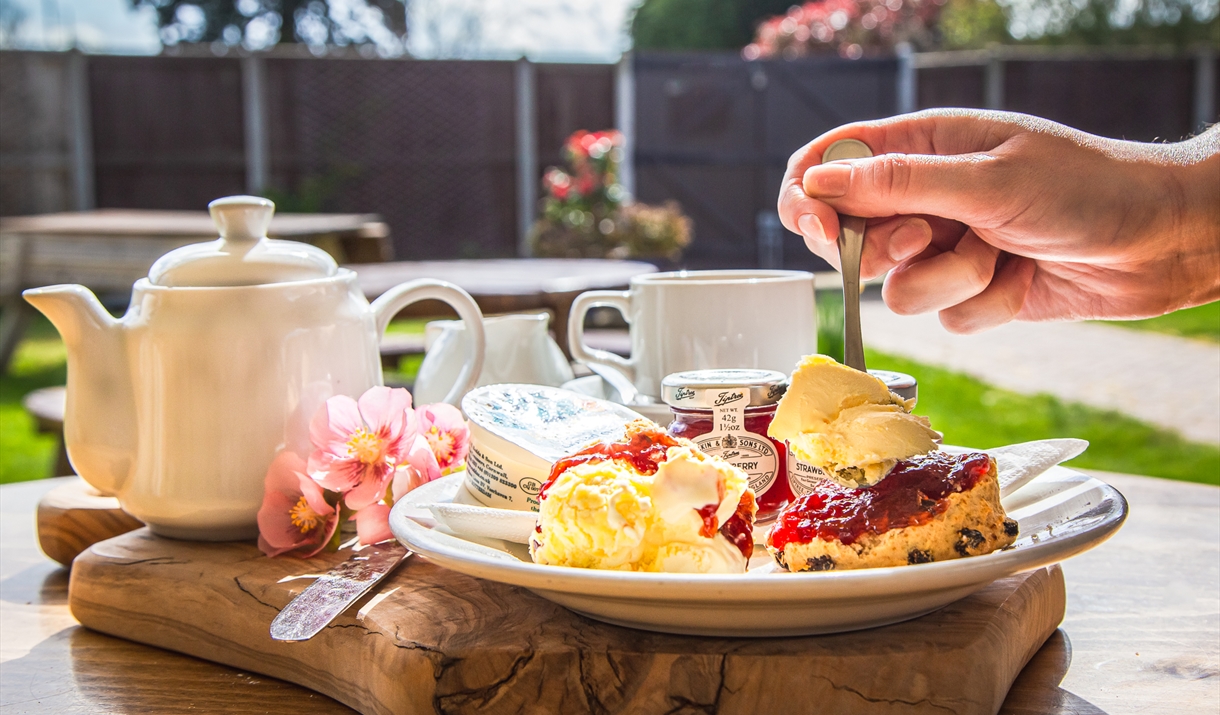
294, 517
373, 524
447, 434
358, 444
421, 468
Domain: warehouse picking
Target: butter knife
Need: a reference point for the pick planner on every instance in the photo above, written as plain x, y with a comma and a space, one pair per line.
319, 604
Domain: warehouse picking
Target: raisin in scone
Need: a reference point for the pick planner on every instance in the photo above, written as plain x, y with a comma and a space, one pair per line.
931, 507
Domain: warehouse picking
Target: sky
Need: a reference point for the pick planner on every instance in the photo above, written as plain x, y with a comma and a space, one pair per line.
544, 30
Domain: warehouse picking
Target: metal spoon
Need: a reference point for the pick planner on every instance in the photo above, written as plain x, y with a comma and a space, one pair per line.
627, 393
851, 245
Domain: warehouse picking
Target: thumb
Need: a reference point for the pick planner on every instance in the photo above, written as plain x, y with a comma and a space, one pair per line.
958, 187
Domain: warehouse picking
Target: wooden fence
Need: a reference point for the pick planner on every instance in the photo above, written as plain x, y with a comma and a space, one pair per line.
450, 153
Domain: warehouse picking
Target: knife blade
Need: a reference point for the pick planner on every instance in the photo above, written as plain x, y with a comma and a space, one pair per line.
319, 604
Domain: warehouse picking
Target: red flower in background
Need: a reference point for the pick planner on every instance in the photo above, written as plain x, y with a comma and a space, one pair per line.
847, 27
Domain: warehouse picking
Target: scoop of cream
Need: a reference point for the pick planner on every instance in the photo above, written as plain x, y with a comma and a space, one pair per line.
606, 515
847, 423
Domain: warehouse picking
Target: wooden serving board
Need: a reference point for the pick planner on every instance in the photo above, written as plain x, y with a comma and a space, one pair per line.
73, 516
433, 640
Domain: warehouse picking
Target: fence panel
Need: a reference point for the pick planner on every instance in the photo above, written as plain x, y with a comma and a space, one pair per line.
715, 132
951, 87
1141, 100
571, 97
428, 145
35, 137
167, 131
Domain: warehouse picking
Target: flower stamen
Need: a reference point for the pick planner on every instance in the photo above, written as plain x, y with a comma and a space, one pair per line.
443, 445
304, 517
365, 446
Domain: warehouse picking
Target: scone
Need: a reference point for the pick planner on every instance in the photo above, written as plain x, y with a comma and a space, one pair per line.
931, 507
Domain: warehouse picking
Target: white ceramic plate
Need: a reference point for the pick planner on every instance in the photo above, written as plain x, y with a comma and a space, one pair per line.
1061, 513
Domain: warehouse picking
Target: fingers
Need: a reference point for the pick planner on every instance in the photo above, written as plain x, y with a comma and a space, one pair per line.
892, 241
937, 280
814, 220
934, 131
960, 187
930, 132
999, 303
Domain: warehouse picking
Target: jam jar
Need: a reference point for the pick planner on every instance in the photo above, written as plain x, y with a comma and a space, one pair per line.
726, 413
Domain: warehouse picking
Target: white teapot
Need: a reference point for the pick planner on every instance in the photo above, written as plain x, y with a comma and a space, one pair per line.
226, 352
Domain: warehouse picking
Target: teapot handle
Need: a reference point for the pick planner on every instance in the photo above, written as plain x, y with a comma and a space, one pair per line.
400, 296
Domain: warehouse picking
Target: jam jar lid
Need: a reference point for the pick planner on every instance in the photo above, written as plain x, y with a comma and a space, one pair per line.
705, 389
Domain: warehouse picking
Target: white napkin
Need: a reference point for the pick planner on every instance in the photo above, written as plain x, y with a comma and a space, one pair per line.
1018, 464
485, 521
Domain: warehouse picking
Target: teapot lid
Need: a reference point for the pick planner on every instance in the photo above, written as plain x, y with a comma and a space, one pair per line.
243, 255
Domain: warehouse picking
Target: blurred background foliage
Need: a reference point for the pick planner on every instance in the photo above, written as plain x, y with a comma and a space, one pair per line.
958, 24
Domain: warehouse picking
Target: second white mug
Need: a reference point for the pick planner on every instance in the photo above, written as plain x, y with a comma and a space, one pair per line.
693, 320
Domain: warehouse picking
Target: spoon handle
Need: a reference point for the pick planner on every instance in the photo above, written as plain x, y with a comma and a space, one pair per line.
851, 245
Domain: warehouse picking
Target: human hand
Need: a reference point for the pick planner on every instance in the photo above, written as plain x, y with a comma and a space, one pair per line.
988, 217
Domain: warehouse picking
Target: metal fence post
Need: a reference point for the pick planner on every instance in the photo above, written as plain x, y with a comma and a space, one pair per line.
254, 107
80, 119
1205, 87
527, 154
908, 79
624, 119
993, 83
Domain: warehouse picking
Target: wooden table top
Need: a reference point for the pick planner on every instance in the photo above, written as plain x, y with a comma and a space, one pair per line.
505, 276
1142, 632
177, 224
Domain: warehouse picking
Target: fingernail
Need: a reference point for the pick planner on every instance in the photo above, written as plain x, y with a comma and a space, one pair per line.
811, 227
908, 239
827, 180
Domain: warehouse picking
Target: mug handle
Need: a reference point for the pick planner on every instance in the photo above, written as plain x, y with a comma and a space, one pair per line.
400, 296
620, 301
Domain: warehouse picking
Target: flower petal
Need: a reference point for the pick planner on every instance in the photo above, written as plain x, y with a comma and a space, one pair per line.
336, 420
337, 475
406, 478
422, 459
371, 487
383, 408
373, 524
314, 496
285, 485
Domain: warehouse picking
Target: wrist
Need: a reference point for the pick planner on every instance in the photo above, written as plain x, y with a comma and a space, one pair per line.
1196, 226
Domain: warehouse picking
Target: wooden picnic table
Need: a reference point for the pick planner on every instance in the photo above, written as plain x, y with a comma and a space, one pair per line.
508, 285
109, 249
1141, 635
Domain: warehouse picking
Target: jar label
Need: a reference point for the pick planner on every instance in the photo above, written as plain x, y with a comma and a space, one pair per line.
803, 476
752, 453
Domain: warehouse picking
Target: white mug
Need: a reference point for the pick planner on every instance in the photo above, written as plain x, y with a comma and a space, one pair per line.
694, 320
520, 348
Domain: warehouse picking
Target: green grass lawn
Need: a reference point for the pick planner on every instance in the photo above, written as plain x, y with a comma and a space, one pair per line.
40, 361
973, 414
1202, 322
968, 412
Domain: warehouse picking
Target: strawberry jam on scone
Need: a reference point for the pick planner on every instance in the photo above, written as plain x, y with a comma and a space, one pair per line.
930, 507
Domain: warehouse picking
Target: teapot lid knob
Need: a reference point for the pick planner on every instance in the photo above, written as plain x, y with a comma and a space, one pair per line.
242, 218
243, 255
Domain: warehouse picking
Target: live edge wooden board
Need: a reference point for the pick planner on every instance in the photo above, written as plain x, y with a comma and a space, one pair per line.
434, 640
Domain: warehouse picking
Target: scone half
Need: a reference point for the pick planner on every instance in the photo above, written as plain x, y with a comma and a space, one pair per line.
934, 507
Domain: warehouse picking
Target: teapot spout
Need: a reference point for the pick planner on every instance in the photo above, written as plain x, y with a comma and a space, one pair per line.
99, 415
74, 311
